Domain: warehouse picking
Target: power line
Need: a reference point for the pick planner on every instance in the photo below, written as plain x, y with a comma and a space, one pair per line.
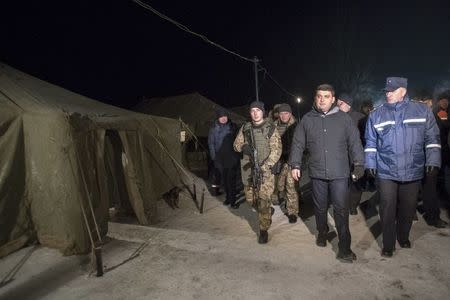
266, 72
185, 28
204, 38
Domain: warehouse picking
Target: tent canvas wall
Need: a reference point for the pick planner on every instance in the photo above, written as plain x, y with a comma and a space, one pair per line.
57, 151
194, 109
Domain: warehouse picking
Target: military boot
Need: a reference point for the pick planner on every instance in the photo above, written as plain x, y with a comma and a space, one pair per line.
292, 218
263, 237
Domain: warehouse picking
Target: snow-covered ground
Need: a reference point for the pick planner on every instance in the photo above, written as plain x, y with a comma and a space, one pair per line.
215, 255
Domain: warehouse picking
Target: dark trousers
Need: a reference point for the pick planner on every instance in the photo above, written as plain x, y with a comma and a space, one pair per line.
337, 191
430, 199
229, 182
216, 177
398, 201
355, 193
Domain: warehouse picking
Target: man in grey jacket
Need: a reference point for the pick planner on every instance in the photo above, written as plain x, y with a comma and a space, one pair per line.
331, 138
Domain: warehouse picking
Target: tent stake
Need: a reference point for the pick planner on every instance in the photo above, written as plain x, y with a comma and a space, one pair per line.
202, 201
195, 191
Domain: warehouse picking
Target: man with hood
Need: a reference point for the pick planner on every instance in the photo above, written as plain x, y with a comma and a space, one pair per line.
331, 138
287, 191
226, 160
402, 140
259, 134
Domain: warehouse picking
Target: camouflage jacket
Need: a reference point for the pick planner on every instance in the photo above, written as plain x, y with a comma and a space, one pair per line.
275, 147
286, 137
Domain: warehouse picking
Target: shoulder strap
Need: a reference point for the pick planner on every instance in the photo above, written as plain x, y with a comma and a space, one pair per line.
272, 128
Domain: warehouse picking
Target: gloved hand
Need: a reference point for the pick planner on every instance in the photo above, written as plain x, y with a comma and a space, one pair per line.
358, 172
372, 172
247, 150
431, 170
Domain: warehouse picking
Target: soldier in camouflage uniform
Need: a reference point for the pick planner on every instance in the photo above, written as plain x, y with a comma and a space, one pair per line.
285, 183
262, 135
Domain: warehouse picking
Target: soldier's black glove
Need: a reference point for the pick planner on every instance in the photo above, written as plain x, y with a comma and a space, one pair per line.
247, 150
358, 172
276, 169
431, 170
372, 172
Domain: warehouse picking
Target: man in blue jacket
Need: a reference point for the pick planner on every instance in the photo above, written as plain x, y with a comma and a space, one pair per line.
402, 139
226, 160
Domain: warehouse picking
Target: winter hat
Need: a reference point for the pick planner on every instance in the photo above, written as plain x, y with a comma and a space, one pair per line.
257, 104
221, 112
393, 83
346, 98
284, 107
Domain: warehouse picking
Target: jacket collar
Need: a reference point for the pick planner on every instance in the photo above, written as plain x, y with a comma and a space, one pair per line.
334, 109
398, 105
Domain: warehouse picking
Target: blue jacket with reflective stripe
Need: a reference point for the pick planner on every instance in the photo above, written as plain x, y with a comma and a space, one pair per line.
401, 138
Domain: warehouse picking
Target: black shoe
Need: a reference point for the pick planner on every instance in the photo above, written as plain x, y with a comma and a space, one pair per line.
272, 211
235, 205
226, 202
347, 256
387, 253
438, 223
353, 211
263, 237
405, 244
321, 241
292, 218
217, 191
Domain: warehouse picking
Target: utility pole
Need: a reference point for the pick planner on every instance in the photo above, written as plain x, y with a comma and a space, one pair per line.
255, 62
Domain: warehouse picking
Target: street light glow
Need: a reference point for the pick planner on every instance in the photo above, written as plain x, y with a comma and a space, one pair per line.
299, 99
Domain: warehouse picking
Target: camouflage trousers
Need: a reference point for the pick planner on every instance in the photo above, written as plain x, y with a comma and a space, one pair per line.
287, 190
264, 203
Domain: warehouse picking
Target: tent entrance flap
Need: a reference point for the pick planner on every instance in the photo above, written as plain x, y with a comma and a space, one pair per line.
118, 194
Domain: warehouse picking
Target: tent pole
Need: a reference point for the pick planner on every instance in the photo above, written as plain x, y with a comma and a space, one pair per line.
255, 62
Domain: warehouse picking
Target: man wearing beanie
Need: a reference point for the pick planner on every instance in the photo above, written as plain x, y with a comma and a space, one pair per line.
287, 192
345, 104
225, 159
260, 135
332, 139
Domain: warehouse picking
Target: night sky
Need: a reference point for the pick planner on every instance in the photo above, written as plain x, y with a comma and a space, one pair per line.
116, 51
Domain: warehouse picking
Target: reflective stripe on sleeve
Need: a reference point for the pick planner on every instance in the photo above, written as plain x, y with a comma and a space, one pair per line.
421, 120
384, 123
370, 150
433, 146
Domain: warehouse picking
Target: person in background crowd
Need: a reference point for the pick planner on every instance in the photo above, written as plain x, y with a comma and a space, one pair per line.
366, 108
441, 113
345, 102
430, 198
402, 138
332, 141
274, 114
225, 159
259, 134
287, 192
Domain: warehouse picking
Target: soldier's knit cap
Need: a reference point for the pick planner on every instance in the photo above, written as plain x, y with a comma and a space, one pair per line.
346, 98
393, 83
257, 104
284, 107
222, 112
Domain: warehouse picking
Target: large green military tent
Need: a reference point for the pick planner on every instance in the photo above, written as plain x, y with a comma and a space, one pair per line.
196, 110
60, 150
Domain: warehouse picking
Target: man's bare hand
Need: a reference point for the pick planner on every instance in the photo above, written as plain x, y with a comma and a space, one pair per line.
296, 174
